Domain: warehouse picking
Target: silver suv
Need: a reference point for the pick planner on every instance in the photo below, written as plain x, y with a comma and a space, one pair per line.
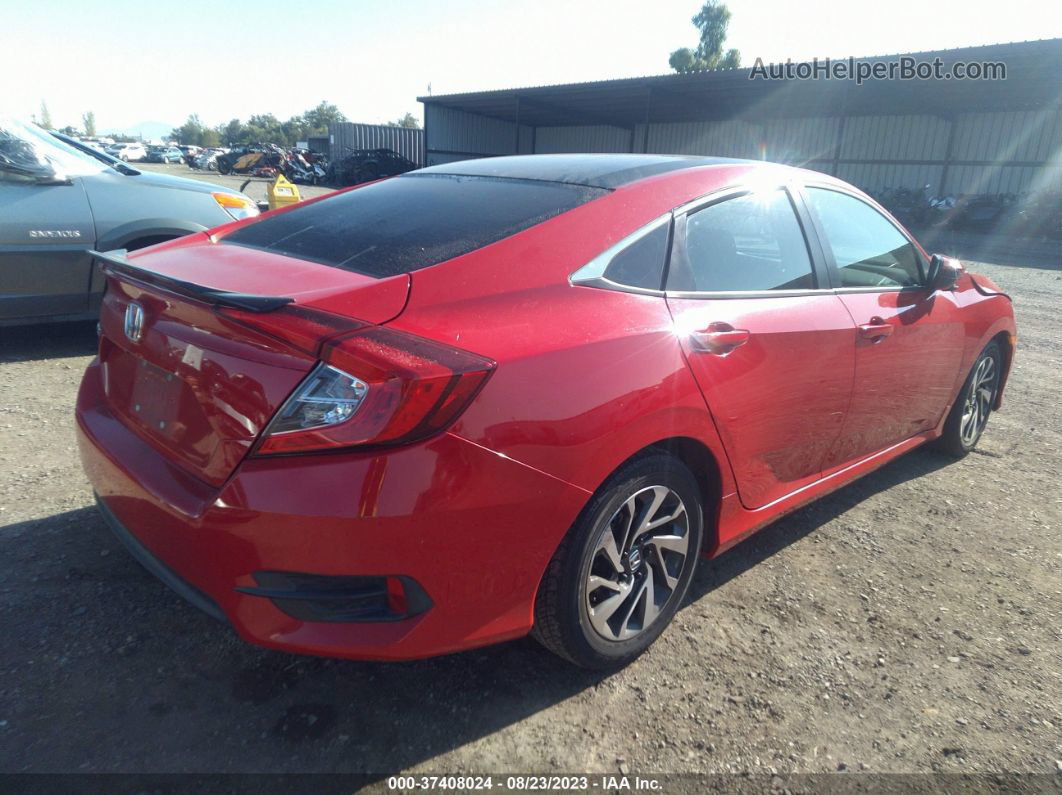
58, 201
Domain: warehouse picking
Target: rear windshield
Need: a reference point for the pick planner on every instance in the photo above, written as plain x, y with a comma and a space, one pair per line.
410, 222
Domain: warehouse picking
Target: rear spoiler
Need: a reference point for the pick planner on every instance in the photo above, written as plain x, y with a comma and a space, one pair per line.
116, 262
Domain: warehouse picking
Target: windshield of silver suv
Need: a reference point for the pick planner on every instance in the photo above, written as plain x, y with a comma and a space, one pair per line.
29, 153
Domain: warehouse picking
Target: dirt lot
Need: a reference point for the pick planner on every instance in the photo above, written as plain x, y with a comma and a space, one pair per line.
908, 623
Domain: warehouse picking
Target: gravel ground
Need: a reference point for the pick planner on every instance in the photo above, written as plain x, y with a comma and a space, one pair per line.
907, 623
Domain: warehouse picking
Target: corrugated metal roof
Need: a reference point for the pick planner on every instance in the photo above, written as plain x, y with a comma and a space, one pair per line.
1032, 79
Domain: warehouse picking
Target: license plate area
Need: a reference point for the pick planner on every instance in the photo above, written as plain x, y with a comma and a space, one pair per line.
154, 397
158, 404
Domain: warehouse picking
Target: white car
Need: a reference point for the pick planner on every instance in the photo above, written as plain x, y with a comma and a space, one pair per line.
127, 152
94, 145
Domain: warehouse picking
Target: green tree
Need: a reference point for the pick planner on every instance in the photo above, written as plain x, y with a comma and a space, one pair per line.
317, 119
409, 121
712, 21
89, 122
685, 60
231, 132
209, 137
46, 117
264, 127
293, 130
189, 133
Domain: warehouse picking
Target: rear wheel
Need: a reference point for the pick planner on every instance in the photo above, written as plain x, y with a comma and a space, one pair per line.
621, 573
969, 416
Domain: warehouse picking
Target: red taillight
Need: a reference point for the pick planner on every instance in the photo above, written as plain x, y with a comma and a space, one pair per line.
406, 388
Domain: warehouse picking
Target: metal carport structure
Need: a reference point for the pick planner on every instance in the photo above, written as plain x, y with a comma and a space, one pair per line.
973, 136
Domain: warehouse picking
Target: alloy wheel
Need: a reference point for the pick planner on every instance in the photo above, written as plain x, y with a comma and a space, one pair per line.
978, 402
637, 563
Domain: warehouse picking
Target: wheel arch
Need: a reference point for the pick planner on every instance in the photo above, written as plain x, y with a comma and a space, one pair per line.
702, 463
1006, 341
148, 229
706, 470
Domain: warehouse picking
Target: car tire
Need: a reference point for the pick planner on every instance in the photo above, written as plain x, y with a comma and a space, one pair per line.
967, 419
593, 605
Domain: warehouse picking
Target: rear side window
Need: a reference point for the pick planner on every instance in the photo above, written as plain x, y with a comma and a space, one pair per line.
749, 243
641, 264
868, 251
411, 222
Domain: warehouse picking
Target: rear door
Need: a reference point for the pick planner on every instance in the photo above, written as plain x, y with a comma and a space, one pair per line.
45, 234
771, 347
910, 339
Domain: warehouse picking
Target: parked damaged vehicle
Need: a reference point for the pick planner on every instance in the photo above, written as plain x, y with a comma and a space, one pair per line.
60, 198
207, 160
513, 395
305, 167
366, 165
251, 158
164, 154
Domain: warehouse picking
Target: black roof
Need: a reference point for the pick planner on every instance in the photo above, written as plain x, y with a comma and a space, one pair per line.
1032, 82
595, 171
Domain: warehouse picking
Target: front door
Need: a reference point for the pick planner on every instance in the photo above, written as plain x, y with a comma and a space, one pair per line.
46, 231
910, 339
774, 354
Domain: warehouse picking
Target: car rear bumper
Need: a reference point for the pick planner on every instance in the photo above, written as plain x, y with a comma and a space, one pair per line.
169, 577
474, 529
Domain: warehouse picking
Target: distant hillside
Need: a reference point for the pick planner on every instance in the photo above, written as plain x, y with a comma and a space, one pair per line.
148, 130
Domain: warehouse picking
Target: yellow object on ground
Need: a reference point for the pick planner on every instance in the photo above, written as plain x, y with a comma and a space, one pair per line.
282, 193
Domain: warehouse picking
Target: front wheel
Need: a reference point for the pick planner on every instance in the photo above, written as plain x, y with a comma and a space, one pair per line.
969, 416
621, 573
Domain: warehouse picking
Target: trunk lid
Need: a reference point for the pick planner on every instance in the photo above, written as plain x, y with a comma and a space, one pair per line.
220, 346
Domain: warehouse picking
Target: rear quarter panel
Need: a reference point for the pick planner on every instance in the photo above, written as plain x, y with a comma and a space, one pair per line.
586, 377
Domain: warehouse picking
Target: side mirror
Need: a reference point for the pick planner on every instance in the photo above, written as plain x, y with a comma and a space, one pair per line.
51, 176
41, 172
944, 272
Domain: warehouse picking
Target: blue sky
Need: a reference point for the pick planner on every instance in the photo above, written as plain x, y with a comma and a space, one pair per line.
132, 61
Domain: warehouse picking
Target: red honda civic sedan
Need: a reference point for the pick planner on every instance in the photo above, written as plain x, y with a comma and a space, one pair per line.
513, 395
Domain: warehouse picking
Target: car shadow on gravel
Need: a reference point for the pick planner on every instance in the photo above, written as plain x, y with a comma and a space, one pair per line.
114, 672
107, 670
789, 529
49, 341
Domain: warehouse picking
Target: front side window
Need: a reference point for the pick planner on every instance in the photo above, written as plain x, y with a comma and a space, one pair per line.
868, 250
748, 243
